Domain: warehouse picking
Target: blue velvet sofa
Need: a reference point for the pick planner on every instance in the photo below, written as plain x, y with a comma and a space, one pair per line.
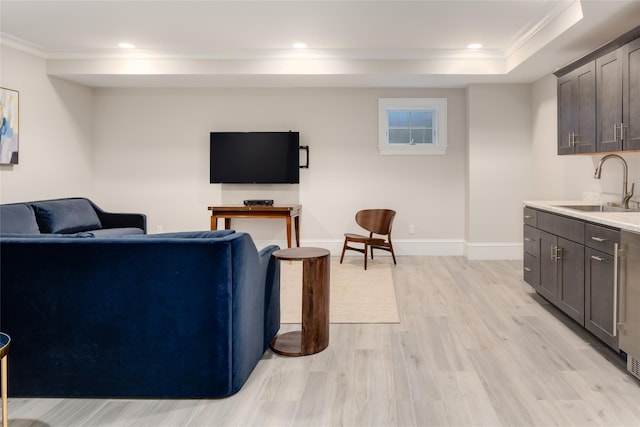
67, 216
175, 315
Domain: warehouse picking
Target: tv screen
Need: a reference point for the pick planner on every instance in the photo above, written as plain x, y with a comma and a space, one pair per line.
255, 157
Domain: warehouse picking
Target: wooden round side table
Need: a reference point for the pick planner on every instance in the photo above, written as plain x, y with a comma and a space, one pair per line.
5, 340
314, 336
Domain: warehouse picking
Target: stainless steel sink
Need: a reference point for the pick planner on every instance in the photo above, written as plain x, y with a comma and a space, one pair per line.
597, 208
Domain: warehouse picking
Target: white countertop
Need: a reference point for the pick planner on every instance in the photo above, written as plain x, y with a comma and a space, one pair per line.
629, 221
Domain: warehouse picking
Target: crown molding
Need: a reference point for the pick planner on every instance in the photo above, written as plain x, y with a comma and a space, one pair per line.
563, 8
255, 54
22, 45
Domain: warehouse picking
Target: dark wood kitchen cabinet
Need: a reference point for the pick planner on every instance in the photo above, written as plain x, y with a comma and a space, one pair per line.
561, 262
562, 274
599, 99
532, 256
609, 101
570, 261
577, 111
548, 287
531, 246
631, 95
601, 283
573, 264
618, 99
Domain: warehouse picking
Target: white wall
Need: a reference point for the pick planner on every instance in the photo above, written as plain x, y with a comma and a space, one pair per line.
151, 155
55, 125
499, 172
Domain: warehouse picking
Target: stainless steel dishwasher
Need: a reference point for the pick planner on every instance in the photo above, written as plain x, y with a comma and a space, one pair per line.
629, 301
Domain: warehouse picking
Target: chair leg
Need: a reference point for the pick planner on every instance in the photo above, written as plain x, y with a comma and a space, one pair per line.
344, 248
366, 250
393, 255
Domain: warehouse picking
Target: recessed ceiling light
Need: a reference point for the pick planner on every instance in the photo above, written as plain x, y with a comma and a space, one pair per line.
474, 46
126, 45
299, 45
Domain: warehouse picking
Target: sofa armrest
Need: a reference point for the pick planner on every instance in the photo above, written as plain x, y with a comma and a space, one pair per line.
270, 267
121, 220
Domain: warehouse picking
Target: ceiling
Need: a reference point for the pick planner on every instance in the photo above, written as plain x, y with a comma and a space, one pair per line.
237, 43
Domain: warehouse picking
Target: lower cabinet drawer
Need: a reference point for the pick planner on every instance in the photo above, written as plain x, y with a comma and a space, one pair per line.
602, 238
562, 226
531, 240
531, 266
529, 216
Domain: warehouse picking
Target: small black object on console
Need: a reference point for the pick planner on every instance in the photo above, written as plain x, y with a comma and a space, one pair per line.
258, 202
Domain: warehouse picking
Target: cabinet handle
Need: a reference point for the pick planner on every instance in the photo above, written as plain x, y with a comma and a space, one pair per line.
597, 258
526, 239
598, 239
528, 269
528, 216
615, 131
556, 253
615, 289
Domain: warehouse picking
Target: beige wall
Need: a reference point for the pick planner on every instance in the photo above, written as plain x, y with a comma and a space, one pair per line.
151, 154
499, 173
55, 145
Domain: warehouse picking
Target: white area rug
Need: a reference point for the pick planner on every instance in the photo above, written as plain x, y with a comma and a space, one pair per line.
357, 296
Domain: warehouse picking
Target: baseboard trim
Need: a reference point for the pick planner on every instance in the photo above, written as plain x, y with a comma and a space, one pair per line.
438, 247
493, 251
472, 251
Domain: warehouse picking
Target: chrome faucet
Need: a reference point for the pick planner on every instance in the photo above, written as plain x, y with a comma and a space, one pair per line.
626, 195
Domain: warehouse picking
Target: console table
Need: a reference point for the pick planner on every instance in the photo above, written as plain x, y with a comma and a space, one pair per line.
286, 212
314, 336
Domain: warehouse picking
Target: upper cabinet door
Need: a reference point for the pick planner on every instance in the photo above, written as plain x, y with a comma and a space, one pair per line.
566, 114
609, 101
631, 95
577, 110
585, 138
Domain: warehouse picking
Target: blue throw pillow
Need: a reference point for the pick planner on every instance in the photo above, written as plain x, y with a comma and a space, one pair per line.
66, 216
18, 219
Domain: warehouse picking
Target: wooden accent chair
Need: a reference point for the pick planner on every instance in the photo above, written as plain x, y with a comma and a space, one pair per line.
376, 222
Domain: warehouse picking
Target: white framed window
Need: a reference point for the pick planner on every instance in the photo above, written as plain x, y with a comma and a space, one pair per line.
412, 126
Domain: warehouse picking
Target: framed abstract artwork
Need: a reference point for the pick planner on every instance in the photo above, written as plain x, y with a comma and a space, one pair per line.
9, 115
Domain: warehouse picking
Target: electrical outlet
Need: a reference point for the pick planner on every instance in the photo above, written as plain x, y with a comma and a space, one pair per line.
412, 229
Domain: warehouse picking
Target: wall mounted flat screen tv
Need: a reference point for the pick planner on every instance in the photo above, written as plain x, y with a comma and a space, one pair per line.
255, 157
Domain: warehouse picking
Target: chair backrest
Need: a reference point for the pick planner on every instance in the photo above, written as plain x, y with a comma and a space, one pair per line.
377, 221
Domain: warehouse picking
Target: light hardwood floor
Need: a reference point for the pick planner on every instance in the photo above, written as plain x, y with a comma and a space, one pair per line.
475, 346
